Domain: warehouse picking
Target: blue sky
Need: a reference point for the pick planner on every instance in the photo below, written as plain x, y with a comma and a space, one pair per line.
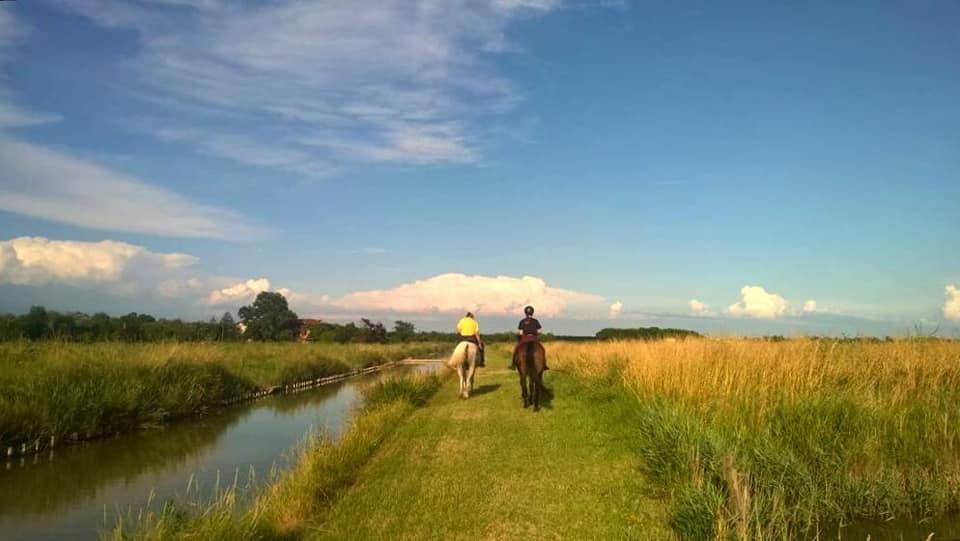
709, 165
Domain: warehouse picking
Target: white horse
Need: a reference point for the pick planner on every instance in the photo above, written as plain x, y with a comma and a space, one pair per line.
464, 361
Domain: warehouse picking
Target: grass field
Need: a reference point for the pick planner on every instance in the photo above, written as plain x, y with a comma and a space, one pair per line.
755, 439
60, 389
697, 439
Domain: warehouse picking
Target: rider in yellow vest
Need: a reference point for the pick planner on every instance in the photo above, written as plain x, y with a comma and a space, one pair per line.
469, 331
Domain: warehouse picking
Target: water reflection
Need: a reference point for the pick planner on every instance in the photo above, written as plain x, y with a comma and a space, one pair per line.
69, 494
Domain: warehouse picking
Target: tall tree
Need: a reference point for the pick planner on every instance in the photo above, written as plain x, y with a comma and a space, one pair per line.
228, 327
35, 323
403, 331
269, 318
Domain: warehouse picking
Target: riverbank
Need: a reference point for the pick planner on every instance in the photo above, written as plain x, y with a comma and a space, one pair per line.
290, 506
54, 392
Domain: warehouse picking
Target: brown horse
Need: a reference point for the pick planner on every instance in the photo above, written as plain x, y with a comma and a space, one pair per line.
530, 358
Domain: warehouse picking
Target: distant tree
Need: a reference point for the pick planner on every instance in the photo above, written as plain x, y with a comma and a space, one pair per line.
372, 333
62, 326
403, 331
10, 327
269, 318
228, 328
644, 333
101, 327
34, 323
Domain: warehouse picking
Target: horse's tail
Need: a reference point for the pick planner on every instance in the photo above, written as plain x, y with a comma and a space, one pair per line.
466, 355
454, 362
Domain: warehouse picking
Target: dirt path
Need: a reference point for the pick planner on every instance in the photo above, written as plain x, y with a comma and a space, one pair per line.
484, 468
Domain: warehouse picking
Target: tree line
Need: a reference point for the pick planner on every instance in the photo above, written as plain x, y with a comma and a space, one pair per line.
268, 318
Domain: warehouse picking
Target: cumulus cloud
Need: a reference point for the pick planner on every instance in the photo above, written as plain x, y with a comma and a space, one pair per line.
615, 310
500, 295
48, 184
392, 81
242, 292
699, 308
951, 307
121, 268
756, 302
125, 268
810, 306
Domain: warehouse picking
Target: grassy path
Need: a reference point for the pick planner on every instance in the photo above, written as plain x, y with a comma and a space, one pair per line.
485, 468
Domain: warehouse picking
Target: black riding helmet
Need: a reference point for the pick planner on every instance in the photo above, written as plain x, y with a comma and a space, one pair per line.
528, 311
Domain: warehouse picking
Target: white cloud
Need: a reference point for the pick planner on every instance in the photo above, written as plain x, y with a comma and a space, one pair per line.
756, 302
951, 307
530, 4
699, 308
47, 184
242, 292
500, 295
810, 306
371, 250
421, 144
120, 268
125, 268
247, 151
392, 81
12, 116
615, 310
12, 31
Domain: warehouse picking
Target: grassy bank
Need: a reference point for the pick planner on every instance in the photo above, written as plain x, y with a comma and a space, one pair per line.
292, 505
754, 439
61, 389
483, 468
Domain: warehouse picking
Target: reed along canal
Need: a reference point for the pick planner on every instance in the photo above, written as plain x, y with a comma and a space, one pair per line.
75, 492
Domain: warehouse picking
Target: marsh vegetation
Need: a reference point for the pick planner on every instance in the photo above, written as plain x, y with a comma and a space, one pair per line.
784, 439
73, 390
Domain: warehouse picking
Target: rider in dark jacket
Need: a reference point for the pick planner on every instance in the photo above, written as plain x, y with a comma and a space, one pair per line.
528, 332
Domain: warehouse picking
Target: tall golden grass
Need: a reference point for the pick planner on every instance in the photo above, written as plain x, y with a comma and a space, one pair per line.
761, 439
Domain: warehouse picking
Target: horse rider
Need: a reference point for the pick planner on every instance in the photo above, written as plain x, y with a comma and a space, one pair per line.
528, 332
469, 331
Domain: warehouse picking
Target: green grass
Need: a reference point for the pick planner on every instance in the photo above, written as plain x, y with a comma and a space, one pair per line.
419, 465
485, 468
61, 389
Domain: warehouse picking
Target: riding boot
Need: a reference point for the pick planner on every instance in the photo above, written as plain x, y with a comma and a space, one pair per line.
481, 360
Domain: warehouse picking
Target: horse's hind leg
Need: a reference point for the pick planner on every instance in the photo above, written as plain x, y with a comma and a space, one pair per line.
523, 388
468, 387
535, 390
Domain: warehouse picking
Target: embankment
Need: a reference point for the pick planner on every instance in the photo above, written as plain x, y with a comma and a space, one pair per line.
56, 393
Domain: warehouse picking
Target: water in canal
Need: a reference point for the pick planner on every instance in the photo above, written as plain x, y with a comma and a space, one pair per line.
70, 493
